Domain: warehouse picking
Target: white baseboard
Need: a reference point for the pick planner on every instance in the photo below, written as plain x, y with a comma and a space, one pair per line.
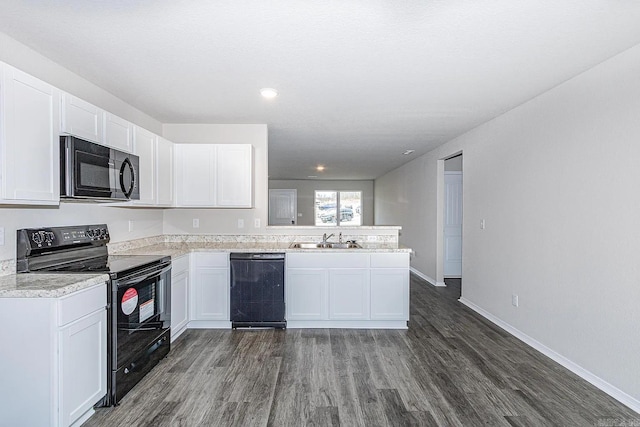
427, 278
598, 382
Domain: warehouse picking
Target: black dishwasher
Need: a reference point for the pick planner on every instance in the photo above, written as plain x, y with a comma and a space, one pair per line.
257, 290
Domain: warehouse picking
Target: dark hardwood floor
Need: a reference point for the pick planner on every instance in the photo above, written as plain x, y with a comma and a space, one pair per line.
451, 368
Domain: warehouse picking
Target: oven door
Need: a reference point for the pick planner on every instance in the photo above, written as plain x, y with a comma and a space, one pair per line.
94, 171
141, 317
142, 308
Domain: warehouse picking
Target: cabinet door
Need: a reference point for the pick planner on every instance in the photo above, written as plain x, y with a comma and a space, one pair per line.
389, 294
83, 365
307, 294
179, 303
30, 163
164, 172
145, 148
348, 294
211, 299
234, 175
196, 175
81, 119
118, 133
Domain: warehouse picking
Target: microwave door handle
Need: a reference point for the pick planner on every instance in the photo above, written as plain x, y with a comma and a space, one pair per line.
127, 191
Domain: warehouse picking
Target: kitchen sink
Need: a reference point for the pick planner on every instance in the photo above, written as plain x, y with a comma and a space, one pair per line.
325, 245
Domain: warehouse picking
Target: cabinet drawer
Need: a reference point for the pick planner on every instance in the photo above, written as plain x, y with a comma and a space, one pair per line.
327, 260
212, 259
81, 303
390, 260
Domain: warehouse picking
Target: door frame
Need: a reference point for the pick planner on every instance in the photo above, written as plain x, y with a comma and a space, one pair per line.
440, 217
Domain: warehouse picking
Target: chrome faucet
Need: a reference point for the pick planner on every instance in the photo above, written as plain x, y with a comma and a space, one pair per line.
325, 237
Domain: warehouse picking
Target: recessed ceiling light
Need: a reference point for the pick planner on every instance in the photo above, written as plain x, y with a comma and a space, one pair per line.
319, 168
407, 152
268, 92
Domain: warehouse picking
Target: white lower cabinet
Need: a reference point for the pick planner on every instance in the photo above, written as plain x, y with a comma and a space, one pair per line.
348, 294
53, 362
390, 286
361, 290
83, 350
307, 291
179, 295
389, 294
211, 289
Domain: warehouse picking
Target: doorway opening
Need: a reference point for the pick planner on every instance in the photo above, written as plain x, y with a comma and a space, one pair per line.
452, 213
283, 207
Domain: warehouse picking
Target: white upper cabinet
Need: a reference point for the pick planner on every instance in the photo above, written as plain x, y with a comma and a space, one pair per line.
145, 148
234, 175
118, 133
29, 142
164, 172
81, 119
195, 174
214, 175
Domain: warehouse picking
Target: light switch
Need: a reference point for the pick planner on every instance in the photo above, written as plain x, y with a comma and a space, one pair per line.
256, 222
196, 223
240, 223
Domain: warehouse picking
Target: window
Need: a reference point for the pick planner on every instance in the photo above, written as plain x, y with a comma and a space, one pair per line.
329, 203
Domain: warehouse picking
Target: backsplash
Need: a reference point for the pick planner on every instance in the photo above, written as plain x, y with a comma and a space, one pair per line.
243, 238
7, 266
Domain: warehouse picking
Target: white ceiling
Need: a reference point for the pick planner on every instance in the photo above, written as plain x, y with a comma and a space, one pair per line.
360, 81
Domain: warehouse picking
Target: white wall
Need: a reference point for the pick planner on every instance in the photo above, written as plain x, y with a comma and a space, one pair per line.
147, 222
306, 196
223, 221
557, 181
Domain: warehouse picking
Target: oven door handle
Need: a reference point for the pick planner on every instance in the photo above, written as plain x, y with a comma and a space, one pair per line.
138, 279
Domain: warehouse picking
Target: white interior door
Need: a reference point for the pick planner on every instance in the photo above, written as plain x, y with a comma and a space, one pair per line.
283, 207
453, 224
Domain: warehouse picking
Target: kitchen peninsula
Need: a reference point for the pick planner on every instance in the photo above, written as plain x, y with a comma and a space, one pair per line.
364, 287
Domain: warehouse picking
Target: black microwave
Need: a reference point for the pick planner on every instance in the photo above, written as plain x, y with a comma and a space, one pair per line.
93, 171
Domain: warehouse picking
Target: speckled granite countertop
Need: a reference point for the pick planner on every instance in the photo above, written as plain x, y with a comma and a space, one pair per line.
178, 249
36, 285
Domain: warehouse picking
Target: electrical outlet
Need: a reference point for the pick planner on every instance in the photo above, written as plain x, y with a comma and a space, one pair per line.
130, 225
196, 223
372, 238
482, 224
240, 223
1, 236
256, 222
514, 300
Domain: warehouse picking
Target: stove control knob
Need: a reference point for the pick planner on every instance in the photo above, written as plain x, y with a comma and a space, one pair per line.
103, 233
49, 237
38, 237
